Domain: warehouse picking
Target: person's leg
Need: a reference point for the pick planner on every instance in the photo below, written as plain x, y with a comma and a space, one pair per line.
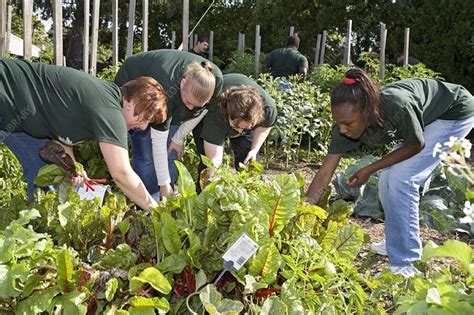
399, 192
241, 147
26, 150
142, 158
200, 151
172, 156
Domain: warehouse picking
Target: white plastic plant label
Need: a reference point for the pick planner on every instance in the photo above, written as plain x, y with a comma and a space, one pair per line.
98, 192
240, 251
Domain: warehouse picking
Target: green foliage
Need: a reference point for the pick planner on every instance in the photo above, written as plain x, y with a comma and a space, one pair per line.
304, 120
12, 186
447, 291
243, 63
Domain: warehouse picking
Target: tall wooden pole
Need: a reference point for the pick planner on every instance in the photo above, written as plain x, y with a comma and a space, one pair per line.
347, 49
145, 26
383, 40
173, 40
3, 28
211, 45
115, 38
9, 28
406, 48
58, 32
257, 50
131, 25
318, 50
185, 24
85, 40
27, 29
95, 36
323, 47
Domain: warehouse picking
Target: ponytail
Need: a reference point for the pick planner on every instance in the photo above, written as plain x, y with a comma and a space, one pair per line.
201, 76
359, 90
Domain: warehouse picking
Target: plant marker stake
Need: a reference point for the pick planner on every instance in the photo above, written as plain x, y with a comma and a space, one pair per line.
238, 254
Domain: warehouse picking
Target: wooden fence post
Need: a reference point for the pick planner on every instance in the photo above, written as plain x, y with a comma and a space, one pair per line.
406, 48
318, 50
323, 47
85, 40
131, 25
8, 35
383, 40
173, 40
211, 45
95, 36
27, 29
185, 24
257, 50
347, 50
115, 38
145, 26
58, 32
3, 28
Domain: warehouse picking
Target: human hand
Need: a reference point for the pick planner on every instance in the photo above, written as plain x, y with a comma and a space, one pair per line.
166, 191
251, 156
359, 178
179, 148
79, 179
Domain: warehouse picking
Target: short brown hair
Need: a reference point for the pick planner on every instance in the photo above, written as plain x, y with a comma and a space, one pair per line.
149, 98
202, 80
242, 103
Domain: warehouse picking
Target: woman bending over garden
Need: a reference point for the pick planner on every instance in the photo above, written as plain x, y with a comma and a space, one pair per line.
413, 115
190, 82
39, 103
244, 112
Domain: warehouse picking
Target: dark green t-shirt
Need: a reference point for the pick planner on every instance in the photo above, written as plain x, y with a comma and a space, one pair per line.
215, 129
167, 67
284, 62
408, 106
59, 103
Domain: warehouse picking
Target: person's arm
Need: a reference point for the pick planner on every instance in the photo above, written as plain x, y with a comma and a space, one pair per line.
160, 160
127, 180
177, 142
214, 152
398, 155
323, 177
303, 71
259, 136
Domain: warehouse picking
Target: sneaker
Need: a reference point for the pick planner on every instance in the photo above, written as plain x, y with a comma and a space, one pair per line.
405, 271
380, 248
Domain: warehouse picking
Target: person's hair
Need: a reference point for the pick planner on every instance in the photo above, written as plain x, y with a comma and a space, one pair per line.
242, 103
360, 91
202, 38
201, 76
149, 98
293, 40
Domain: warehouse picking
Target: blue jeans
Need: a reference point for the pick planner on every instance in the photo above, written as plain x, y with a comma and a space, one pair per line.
142, 159
399, 191
26, 150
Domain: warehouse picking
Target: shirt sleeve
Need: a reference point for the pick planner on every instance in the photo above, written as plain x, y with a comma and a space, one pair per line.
160, 156
186, 127
108, 125
340, 144
213, 129
411, 129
